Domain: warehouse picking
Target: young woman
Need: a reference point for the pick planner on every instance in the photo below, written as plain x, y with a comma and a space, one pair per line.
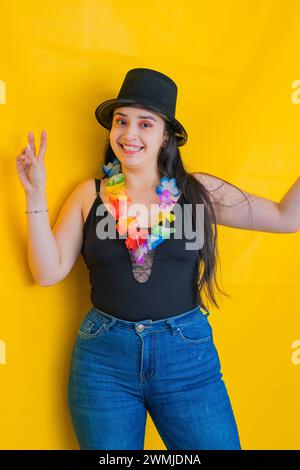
146, 344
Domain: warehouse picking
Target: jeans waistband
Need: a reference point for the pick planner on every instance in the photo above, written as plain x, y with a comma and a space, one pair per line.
154, 325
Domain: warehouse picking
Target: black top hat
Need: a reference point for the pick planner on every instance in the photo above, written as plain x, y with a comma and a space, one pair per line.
149, 89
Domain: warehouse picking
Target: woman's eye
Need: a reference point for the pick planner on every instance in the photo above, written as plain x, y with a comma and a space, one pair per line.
143, 123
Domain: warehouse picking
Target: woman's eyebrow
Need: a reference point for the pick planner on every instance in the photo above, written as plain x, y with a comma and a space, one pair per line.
140, 117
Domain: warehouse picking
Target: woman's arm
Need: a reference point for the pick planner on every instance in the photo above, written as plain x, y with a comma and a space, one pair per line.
232, 208
289, 205
51, 253
42, 250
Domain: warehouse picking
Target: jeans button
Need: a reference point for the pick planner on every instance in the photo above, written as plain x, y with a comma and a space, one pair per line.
140, 327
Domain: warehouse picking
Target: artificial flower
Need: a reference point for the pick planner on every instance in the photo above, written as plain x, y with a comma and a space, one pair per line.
112, 168
139, 254
137, 236
154, 241
162, 231
163, 215
123, 223
119, 204
139, 241
168, 184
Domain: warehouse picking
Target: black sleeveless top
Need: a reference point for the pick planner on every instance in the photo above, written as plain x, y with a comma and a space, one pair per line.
166, 285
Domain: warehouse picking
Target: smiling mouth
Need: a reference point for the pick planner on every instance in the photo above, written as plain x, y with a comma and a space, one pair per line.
132, 150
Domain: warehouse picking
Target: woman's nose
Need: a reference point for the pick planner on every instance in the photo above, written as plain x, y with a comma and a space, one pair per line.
130, 131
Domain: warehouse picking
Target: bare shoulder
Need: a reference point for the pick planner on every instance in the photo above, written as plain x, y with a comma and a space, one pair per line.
87, 187
83, 194
87, 194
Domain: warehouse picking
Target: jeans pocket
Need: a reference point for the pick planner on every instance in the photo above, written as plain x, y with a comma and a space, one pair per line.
196, 331
93, 324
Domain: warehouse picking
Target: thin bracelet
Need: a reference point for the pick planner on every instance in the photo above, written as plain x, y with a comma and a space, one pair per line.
29, 212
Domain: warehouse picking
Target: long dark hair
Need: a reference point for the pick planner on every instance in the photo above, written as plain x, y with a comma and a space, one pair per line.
170, 164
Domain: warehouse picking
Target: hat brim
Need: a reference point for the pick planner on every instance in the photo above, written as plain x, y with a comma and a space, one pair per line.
104, 110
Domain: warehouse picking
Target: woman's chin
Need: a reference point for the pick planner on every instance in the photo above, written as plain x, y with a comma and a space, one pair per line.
130, 159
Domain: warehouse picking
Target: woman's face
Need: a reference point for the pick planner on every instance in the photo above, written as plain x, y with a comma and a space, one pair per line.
138, 127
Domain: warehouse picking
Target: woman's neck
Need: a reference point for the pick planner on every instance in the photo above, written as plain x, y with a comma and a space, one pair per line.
141, 182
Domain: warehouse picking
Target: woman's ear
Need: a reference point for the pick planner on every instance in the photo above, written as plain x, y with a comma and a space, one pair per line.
165, 140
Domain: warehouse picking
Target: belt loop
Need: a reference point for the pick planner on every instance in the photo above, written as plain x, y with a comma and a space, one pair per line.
110, 323
172, 325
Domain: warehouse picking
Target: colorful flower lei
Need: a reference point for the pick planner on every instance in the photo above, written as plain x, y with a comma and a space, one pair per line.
139, 241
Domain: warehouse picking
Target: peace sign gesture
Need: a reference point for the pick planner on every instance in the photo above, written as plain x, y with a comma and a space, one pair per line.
31, 166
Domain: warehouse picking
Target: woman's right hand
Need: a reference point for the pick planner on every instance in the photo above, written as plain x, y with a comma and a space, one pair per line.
31, 166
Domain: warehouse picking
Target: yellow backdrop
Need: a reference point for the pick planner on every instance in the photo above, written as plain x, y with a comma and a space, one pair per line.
237, 70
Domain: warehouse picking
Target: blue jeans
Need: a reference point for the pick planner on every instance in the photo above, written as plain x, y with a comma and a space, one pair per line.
170, 368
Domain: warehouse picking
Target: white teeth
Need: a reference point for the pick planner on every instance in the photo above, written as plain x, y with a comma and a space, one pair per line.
131, 148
